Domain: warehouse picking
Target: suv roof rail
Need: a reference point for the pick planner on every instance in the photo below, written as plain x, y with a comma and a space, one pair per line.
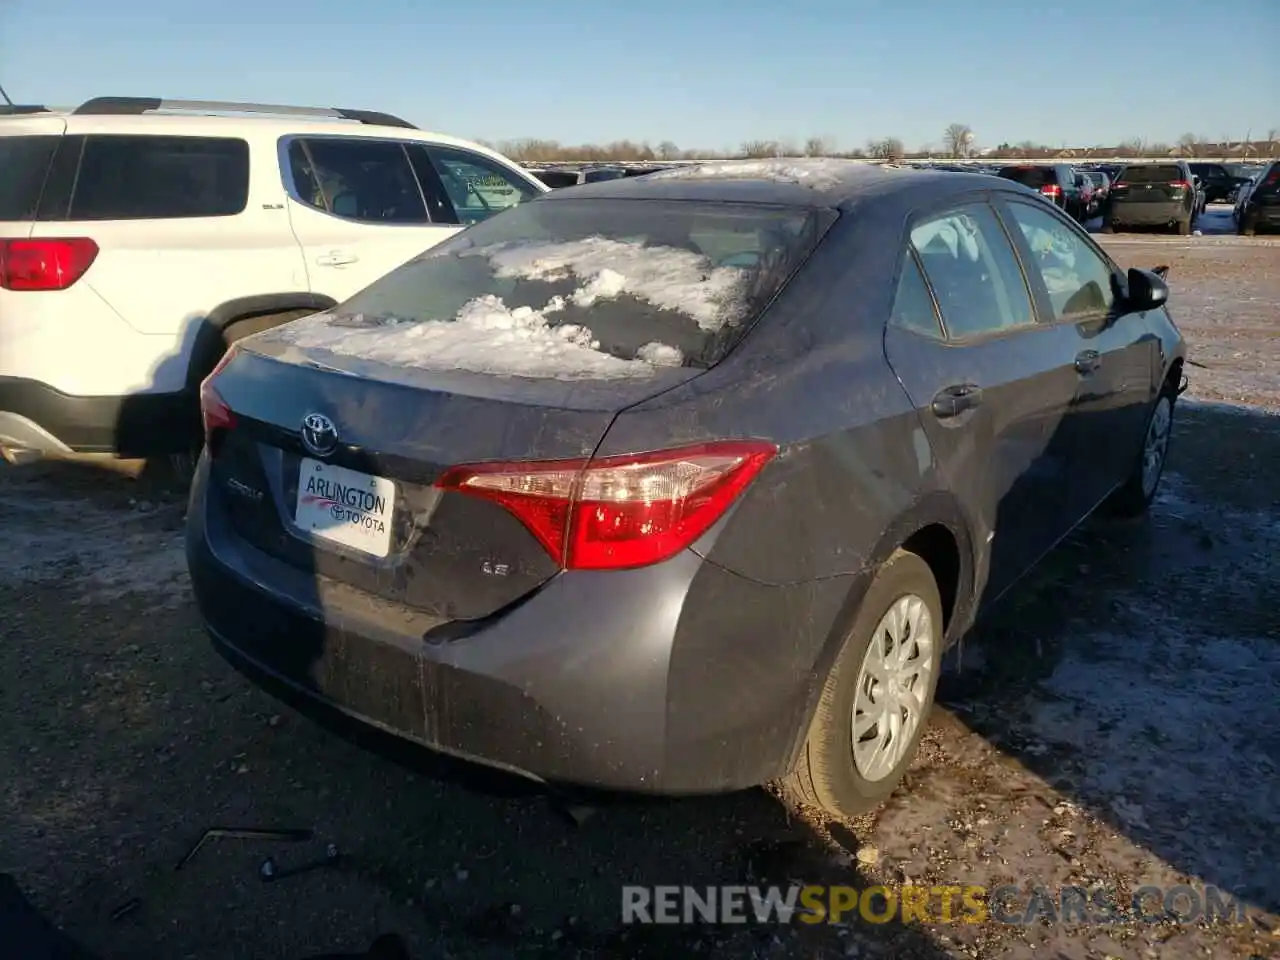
133, 106
21, 109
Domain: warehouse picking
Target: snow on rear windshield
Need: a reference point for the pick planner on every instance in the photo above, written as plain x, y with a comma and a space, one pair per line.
575, 289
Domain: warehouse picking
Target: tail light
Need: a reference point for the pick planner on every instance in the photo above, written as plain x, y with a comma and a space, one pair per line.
52, 264
618, 512
214, 412
1179, 185
1051, 190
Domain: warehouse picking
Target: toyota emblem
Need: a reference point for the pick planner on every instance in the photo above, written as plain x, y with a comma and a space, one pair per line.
319, 435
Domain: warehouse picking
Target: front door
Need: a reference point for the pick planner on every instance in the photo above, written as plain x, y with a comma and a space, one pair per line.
1114, 355
358, 211
993, 386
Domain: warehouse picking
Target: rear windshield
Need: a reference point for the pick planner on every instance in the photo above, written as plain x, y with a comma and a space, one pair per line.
575, 289
1208, 169
1150, 173
146, 178
1034, 177
24, 161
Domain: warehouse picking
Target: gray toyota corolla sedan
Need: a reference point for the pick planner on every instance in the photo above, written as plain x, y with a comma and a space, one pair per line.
681, 483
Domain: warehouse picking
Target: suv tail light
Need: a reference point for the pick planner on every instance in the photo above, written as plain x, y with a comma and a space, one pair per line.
52, 264
618, 512
214, 412
1051, 190
1179, 185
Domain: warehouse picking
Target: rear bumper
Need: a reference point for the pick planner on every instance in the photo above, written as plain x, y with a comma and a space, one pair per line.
1268, 216
35, 417
1150, 213
633, 681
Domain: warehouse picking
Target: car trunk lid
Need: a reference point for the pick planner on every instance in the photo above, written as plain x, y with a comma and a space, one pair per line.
397, 431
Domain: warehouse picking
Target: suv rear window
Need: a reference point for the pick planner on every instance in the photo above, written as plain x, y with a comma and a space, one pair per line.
157, 178
1150, 173
563, 282
1033, 177
24, 161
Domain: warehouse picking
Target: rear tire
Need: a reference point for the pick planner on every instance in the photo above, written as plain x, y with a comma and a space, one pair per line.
1108, 226
902, 610
183, 465
1183, 227
1246, 227
1135, 496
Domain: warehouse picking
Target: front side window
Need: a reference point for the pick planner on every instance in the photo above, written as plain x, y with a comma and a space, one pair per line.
1078, 280
125, 177
973, 271
367, 180
479, 187
564, 287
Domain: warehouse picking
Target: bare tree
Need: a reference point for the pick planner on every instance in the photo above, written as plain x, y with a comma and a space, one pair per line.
956, 138
888, 148
759, 149
1273, 141
817, 147
668, 150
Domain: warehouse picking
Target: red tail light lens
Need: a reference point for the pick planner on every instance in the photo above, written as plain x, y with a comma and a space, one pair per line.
1179, 185
214, 411
1051, 190
53, 264
618, 512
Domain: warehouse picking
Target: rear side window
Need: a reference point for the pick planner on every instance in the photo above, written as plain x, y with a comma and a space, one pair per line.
913, 307
973, 271
24, 161
158, 178
367, 180
1033, 177
1150, 173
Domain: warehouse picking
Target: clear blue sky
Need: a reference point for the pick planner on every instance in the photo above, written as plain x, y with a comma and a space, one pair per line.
708, 73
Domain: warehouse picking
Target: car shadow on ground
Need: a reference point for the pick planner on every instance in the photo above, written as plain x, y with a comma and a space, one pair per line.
1136, 670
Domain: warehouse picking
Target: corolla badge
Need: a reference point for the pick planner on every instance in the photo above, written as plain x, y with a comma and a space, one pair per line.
319, 435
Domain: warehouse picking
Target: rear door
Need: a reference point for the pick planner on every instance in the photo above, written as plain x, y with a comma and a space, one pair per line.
1115, 357
994, 386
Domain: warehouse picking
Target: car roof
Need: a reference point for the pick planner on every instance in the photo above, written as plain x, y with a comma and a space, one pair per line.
824, 182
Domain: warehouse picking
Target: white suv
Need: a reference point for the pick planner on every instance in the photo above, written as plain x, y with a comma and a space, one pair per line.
138, 237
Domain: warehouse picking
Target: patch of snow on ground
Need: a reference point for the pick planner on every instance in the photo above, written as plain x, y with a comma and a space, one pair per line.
487, 337
1131, 702
106, 554
818, 173
667, 277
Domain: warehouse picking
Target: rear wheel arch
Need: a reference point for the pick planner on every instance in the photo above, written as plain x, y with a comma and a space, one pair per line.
239, 318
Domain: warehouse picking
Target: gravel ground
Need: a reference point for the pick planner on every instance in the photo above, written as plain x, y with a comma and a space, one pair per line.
1117, 722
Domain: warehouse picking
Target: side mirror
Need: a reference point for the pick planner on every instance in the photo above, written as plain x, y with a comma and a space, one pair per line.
1147, 289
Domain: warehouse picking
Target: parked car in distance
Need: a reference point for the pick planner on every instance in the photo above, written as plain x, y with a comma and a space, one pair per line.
1219, 183
1101, 186
1057, 183
1260, 207
1153, 194
557, 179
139, 237
608, 551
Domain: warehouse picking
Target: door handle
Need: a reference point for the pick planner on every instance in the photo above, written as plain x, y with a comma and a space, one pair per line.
336, 259
953, 401
1087, 361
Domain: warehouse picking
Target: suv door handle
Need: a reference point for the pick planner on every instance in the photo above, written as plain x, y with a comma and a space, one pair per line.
1088, 361
336, 258
955, 400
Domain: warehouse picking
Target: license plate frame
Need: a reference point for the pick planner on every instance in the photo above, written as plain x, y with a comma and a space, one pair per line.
346, 507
